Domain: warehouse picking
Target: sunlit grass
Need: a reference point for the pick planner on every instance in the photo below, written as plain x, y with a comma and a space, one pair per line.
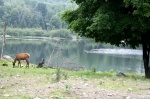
33, 71
44, 76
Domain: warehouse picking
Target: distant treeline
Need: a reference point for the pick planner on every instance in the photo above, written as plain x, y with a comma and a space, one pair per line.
18, 32
43, 14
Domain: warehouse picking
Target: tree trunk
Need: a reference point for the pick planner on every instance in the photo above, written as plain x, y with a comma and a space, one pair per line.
146, 50
3, 42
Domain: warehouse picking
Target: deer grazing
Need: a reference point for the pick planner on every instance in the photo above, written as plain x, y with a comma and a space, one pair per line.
22, 56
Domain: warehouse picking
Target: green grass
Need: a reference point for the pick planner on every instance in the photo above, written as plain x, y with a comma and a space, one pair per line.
43, 76
40, 71
33, 71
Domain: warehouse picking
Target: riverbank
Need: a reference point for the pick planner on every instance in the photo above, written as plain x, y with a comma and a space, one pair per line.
47, 83
38, 33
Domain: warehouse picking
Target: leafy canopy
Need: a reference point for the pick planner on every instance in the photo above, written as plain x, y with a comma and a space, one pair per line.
111, 21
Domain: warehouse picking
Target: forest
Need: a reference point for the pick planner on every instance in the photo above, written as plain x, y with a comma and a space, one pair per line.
44, 15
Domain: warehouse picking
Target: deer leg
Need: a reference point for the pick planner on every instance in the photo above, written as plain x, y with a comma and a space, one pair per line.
27, 63
13, 64
19, 64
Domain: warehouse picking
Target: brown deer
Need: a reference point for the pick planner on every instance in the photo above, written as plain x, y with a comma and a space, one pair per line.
22, 56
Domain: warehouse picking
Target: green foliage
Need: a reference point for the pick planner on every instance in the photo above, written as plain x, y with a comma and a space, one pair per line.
25, 32
67, 87
59, 74
61, 33
93, 69
1, 2
18, 32
125, 21
42, 8
55, 22
33, 13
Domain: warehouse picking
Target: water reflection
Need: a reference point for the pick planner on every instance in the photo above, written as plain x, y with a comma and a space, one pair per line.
83, 53
116, 51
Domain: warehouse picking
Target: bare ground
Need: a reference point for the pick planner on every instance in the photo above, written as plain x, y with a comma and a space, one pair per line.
72, 88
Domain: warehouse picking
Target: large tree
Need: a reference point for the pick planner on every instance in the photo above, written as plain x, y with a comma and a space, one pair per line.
116, 22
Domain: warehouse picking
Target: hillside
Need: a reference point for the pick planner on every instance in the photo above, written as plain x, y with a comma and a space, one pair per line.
43, 14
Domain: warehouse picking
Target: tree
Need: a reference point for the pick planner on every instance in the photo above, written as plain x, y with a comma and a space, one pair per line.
1, 8
1, 2
3, 42
55, 22
42, 8
118, 22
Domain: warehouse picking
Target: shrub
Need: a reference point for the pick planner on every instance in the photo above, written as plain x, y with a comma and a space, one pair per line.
61, 33
18, 32
25, 32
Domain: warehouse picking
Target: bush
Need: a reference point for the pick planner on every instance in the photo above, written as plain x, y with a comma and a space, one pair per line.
18, 32
61, 33
25, 32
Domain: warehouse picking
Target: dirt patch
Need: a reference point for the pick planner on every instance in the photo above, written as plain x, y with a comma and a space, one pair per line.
72, 88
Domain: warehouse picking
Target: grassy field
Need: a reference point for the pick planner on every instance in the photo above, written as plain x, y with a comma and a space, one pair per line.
48, 83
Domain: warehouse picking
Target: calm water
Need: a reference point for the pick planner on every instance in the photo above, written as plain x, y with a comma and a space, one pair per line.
82, 53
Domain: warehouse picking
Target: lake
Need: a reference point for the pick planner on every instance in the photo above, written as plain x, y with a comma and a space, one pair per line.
76, 54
